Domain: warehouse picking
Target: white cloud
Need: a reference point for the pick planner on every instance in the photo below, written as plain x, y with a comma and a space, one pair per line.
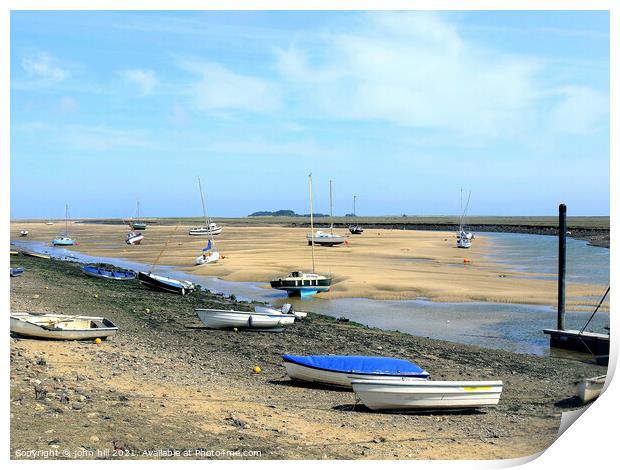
415, 69
223, 89
41, 66
144, 80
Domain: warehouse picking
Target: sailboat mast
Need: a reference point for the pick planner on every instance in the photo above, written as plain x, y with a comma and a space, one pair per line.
66, 220
204, 211
354, 213
331, 213
137, 209
311, 220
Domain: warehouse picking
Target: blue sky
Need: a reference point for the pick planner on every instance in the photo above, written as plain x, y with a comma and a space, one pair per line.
400, 108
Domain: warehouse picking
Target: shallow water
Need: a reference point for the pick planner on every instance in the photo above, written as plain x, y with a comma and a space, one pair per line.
512, 327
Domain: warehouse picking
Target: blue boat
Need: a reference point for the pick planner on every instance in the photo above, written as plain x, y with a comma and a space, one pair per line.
340, 370
105, 273
16, 272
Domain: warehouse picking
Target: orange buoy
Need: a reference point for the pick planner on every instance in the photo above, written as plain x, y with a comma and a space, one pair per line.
465, 260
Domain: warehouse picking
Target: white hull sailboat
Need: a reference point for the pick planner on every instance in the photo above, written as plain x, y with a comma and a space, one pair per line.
64, 239
209, 254
323, 238
134, 238
407, 394
463, 239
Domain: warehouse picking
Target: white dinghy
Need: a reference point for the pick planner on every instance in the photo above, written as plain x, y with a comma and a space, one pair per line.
287, 309
54, 326
407, 394
224, 319
590, 389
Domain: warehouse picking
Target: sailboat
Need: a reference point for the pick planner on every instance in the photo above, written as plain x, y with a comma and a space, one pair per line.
209, 253
298, 282
463, 239
166, 284
138, 224
355, 229
64, 239
323, 238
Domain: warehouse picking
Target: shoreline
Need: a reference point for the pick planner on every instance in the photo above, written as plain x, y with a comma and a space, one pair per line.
163, 372
381, 265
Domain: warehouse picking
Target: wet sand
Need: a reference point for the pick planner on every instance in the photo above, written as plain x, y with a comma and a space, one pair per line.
380, 264
164, 383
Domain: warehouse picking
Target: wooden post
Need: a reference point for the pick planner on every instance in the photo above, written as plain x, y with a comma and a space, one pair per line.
561, 266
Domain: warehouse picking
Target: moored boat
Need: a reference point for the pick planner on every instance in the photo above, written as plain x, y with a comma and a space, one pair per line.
23, 233
106, 273
209, 230
356, 229
406, 394
166, 284
134, 238
67, 327
325, 239
137, 224
16, 272
64, 239
302, 284
224, 319
339, 371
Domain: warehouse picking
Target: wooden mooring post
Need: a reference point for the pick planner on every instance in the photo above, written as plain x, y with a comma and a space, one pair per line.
575, 340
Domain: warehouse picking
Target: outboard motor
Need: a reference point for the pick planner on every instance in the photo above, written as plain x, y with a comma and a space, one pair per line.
286, 309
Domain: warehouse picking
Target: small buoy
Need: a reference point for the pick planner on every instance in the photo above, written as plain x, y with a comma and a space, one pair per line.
465, 260
256, 370
147, 310
235, 329
96, 296
97, 340
222, 256
47, 287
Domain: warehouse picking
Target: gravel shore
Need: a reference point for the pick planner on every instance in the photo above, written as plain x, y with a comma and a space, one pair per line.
165, 387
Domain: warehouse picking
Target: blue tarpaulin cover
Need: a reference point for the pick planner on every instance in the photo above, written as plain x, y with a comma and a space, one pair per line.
360, 365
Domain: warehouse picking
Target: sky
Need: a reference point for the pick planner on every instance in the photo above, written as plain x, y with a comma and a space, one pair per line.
402, 109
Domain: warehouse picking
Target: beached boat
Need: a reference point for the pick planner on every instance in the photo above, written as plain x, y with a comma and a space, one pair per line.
166, 284
14, 252
224, 319
323, 238
298, 282
590, 389
463, 238
16, 272
134, 238
287, 309
34, 254
406, 394
54, 326
339, 371
210, 229
137, 224
106, 273
355, 229
49, 222
209, 254
23, 233
64, 239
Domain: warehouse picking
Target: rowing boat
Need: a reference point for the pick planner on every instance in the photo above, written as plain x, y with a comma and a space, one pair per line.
339, 371
111, 274
406, 394
225, 319
55, 326
166, 284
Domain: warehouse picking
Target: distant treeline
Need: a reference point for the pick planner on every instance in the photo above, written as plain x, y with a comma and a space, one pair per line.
283, 213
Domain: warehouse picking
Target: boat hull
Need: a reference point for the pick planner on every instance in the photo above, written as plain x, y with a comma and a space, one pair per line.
426, 394
225, 319
23, 324
212, 257
16, 272
203, 231
35, 255
108, 274
165, 284
63, 242
138, 226
301, 287
135, 239
590, 389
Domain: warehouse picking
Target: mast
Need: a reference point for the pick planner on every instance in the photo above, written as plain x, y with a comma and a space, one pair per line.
137, 209
204, 211
331, 214
354, 213
311, 220
66, 220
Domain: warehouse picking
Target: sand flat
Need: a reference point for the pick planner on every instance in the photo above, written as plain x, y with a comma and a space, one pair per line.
380, 264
